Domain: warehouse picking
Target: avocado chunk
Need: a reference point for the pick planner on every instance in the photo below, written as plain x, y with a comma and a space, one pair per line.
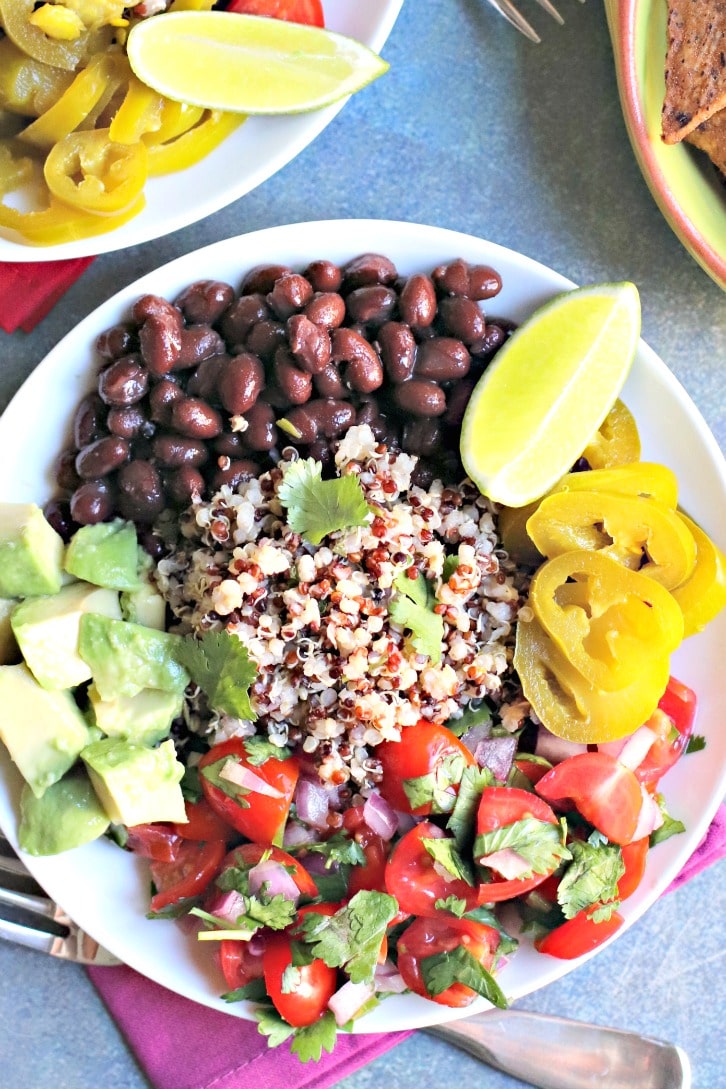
68, 815
46, 629
144, 605
134, 783
105, 554
144, 718
124, 658
31, 552
43, 731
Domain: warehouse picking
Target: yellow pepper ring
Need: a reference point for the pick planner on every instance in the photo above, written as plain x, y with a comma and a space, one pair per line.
703, 595
612, 624
103, 74
88, 171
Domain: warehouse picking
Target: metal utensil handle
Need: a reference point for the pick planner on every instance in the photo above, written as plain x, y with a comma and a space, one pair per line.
554, 1053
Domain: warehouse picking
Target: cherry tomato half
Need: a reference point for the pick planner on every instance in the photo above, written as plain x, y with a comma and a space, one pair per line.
605, 792
420, 751
300, 994
578, 935
194, 868
258, 816
203, 823
239, 965
249, 854
412, 877
159, 841
672, 721
634, 856
442, 934
500, 806
293, 11
372, 873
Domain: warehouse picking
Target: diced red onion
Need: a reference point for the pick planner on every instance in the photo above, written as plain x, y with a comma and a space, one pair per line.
312, 803
507, 863
650, 816
296, 834
380, 816
273, 874
242, 776
348, 1000
632, 750
388, 979
406, 821
497, 754
317, 865
555, 749
476, 734
228, 906
256, 945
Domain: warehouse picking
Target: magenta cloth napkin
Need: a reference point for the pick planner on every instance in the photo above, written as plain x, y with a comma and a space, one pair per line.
30, 290
170, 1035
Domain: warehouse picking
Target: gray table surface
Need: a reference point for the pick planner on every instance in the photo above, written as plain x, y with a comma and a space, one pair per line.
477, 130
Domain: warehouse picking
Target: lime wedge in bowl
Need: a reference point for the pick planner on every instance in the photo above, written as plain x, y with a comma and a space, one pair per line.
247, 63
537, 406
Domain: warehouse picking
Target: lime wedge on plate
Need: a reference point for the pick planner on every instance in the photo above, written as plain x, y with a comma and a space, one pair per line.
247, 63
537, 406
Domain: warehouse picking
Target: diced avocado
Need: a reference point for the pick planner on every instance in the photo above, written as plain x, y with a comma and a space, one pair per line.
124, 658
136, 784
144, 718
46, 629
31, 552
44, 731
105, 554
145, 605
68, 815
8, 647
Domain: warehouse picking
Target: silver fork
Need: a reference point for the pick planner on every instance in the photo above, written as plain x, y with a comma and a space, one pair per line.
515, 17
543, 1051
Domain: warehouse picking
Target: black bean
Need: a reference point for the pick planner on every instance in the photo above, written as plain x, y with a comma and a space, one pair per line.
240, 383
420, 397
261, 433
261, 279
198, 342
295, 384
161, 400
205, 301
203, 382
417, 302
421, 437
128, 421
328, 383
102, 457
89, 421
92, 502
326, 308
140, 491
181, 484
442, 359
119, 340
323, 276
397, 346
368, 268
461, 318
372, 305
233, 473
363, 370
173, 451
291, 292
125, 382
265, 338
309, 343
194, 417
242, 315
57, 513
65, 471
160, 339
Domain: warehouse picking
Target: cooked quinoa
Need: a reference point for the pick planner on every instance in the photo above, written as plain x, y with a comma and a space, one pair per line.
336, 675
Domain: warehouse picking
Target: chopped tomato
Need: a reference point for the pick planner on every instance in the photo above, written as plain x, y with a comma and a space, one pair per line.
372, 873
578, 935
259, 810
533, 769
426, 937
299, 994
159, 841
293, 11
672, 721
239, 965
499, 807
194, 868
423, 749
412, 875
248, 855
604, 791
204, 823
634, 856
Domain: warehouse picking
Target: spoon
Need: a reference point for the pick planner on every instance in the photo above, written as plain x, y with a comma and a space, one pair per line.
556, 1053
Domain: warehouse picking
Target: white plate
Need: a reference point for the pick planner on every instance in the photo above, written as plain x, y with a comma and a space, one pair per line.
105, 890
251, 155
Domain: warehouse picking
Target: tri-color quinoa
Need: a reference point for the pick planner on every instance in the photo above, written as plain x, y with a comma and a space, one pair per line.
336, 676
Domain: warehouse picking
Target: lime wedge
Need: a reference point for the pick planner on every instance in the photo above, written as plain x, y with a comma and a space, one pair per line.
247, 63
537, 406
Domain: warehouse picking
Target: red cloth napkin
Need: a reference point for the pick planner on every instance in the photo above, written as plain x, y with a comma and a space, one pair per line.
170, 1035
30, 290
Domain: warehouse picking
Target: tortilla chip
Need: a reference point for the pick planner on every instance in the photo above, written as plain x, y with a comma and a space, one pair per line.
711, 138
695, 73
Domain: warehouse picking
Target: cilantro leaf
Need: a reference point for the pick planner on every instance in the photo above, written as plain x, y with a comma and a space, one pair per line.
352, 937
212, 773
219, 663
254, 991
484, 914
696, 743
340, 848
462, 821
453, 904
591, 877
436, 787
317, 507
190, 785
441, 970
418, 589
669, 827
477, 715
310, 1042
271, 1025
260, 749
427, 627
539, 843
450, 565
445, 852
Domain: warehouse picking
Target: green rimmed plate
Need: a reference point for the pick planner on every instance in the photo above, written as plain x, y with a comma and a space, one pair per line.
686, 188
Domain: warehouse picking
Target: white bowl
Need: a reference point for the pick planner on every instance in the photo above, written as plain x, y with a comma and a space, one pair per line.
251, 155
106, 890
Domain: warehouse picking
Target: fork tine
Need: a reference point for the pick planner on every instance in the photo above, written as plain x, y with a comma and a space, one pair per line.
551, 10
513, 16
20, 934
